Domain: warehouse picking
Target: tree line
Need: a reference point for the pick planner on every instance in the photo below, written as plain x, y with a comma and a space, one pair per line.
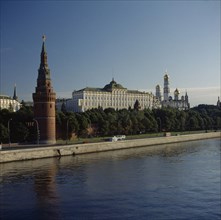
109, 122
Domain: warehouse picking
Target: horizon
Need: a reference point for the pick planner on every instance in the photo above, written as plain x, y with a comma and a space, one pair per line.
92, 42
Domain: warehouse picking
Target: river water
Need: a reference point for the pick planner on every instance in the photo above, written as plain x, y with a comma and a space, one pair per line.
175, 181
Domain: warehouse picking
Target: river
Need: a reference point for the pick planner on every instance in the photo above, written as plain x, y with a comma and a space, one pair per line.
173, 181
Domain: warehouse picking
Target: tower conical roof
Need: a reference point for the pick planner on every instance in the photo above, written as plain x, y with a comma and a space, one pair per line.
15, 97
44, 72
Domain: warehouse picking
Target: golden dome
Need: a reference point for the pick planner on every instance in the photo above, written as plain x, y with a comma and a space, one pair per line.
176, 92
166, 76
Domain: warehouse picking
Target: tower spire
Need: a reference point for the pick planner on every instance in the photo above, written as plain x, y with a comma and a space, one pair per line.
44, 38
44, 62
15, 97
43, 71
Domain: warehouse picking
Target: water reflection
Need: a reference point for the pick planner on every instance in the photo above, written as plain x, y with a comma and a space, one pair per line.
147, 179
52, 165
46, 192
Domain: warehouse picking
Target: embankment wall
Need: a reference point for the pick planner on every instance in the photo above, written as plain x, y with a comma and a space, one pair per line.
64, 150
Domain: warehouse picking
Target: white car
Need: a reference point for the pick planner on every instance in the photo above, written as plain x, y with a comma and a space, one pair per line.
114, 138
121, 137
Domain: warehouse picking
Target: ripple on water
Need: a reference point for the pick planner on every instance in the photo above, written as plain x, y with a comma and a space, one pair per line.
177, 181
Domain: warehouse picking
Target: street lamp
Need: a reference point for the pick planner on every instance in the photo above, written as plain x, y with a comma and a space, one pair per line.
9, 140
37, 130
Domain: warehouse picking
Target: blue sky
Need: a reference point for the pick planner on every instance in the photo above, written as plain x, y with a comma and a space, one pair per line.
89, 42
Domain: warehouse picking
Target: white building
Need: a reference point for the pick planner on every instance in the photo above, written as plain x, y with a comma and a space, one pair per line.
113, 95
9, 103
168, 101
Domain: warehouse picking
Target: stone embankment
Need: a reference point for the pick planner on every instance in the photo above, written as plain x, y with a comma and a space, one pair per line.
64, 150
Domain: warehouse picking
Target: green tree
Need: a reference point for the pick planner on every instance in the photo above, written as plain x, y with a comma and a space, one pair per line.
63, 108
3, 134
61, 125
147, 124
137, 105
135, 125
104, 128
73, 124
112, 119
18, 132
83, 124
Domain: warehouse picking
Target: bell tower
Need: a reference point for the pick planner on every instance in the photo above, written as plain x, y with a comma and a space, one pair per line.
44, 101
166, 89
158, 93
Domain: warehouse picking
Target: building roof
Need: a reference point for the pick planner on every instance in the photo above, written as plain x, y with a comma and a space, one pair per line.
90, 89
113, 85
5, 97
109, 88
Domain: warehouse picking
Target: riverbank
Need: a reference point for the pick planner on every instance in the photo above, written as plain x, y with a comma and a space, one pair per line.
65, 150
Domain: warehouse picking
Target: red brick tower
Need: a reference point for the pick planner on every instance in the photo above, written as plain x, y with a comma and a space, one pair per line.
44, 102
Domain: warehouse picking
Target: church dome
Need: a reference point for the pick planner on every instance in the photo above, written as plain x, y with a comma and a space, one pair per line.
166, 76
113, 85
176, 92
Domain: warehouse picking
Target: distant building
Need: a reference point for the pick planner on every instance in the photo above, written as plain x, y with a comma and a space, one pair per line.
63, 102
168, 101
113, 95
28, 103
9, 103
218, 103
158, 93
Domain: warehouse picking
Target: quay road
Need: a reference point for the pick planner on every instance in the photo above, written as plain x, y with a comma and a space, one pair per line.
16, 146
